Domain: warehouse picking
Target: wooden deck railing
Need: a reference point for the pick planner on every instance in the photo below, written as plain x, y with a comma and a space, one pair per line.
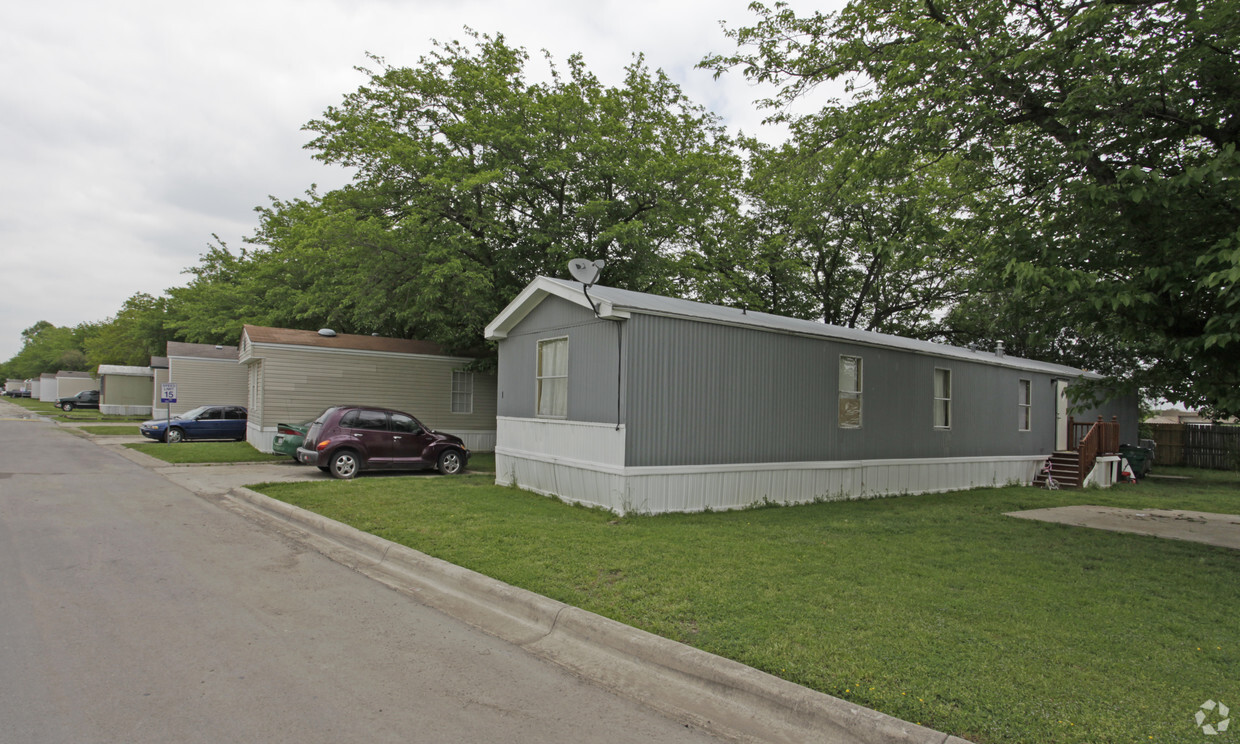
1091, 439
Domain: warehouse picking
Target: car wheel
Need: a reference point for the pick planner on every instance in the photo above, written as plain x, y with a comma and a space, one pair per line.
344, 464
174, 435
450, 462
66, 406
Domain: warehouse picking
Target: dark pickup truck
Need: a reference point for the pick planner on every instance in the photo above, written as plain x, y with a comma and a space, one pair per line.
84, 399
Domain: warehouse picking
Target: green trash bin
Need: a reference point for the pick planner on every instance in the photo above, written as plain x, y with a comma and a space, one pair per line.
1140, 459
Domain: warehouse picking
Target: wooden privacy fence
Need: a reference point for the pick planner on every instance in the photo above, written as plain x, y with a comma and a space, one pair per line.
1196, 445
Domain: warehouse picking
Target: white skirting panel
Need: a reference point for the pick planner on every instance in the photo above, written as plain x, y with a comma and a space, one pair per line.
655, 490
260, 438
553, 439
115, 410
475, 441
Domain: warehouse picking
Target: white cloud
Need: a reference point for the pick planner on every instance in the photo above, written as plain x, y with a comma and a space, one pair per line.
131, 131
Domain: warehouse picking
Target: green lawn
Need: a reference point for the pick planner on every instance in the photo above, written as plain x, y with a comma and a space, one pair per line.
76, 415
199, 452
936, 609
113, 431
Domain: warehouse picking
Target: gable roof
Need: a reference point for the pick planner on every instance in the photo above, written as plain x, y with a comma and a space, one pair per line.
67, 373
201, 351
292, 337
619, 304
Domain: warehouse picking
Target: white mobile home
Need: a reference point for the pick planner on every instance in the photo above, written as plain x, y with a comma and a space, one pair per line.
47, 387
293, 376
636, 402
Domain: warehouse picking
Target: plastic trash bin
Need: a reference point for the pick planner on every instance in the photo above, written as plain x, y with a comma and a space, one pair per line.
1139, 459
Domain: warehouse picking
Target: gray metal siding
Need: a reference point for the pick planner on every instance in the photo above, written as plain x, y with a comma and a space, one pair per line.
703, 393
592, 366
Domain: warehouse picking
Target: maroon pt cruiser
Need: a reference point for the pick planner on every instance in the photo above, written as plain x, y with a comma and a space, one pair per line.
345, 440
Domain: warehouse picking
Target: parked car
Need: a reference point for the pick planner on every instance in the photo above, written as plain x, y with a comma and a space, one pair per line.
346, 440
203, 422
289, 437
84, 399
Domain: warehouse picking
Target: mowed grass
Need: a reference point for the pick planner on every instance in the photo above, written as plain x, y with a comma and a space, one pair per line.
937, 609
112, 431
205, 452
44, 408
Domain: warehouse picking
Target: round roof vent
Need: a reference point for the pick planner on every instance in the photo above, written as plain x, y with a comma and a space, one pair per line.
326, 332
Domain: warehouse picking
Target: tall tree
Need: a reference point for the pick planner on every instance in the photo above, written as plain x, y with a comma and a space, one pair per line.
471, 180
47, 348
137, 332
861, 235
1109, 131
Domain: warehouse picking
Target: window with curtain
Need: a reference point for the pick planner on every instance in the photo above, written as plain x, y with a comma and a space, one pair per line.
942, 398
850, 393
552, 376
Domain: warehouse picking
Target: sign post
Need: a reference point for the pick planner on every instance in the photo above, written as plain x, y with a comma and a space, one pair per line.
168, 394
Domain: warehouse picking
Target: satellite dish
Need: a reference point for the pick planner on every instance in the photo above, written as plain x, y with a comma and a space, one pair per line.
585, 271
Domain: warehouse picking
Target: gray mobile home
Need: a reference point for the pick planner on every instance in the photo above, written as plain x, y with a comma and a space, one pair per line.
293, 376
205, 375
636, 402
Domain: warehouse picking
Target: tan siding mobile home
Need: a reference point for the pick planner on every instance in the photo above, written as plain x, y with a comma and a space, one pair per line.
205, 375
125, 390
295, 375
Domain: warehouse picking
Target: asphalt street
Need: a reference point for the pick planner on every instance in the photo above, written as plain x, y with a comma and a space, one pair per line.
132, 610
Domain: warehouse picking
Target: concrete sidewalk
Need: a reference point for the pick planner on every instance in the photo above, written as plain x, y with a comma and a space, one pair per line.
1222, 530
718, 695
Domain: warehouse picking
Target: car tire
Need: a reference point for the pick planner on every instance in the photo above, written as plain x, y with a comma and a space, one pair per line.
66, 407
344, 465
450, 462
174, 435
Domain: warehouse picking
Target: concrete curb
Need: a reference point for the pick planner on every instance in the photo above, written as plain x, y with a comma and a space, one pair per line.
715, 694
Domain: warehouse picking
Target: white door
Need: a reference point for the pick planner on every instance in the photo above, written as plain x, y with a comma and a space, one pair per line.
1061, 415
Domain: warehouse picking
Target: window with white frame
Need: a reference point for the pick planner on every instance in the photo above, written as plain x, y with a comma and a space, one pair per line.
1024, 405
552, 376
462, 392
849, 414
942, 398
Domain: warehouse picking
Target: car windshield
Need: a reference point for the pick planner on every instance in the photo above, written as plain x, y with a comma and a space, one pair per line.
192, 414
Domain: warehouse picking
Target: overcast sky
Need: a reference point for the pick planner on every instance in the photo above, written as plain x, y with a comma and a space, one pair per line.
132, 131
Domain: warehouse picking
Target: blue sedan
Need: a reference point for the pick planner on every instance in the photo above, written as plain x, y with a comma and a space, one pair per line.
204, 422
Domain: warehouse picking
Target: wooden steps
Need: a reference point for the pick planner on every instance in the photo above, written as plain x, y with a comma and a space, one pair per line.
1064, 469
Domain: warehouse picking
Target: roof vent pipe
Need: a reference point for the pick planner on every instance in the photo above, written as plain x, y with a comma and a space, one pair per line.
999, 349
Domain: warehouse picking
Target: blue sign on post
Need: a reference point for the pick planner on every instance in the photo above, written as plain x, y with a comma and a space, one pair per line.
167, 392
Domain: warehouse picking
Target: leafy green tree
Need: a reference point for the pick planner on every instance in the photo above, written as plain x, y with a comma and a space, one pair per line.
137, 332
859, 236
46, 348
1109, 134
471, 180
